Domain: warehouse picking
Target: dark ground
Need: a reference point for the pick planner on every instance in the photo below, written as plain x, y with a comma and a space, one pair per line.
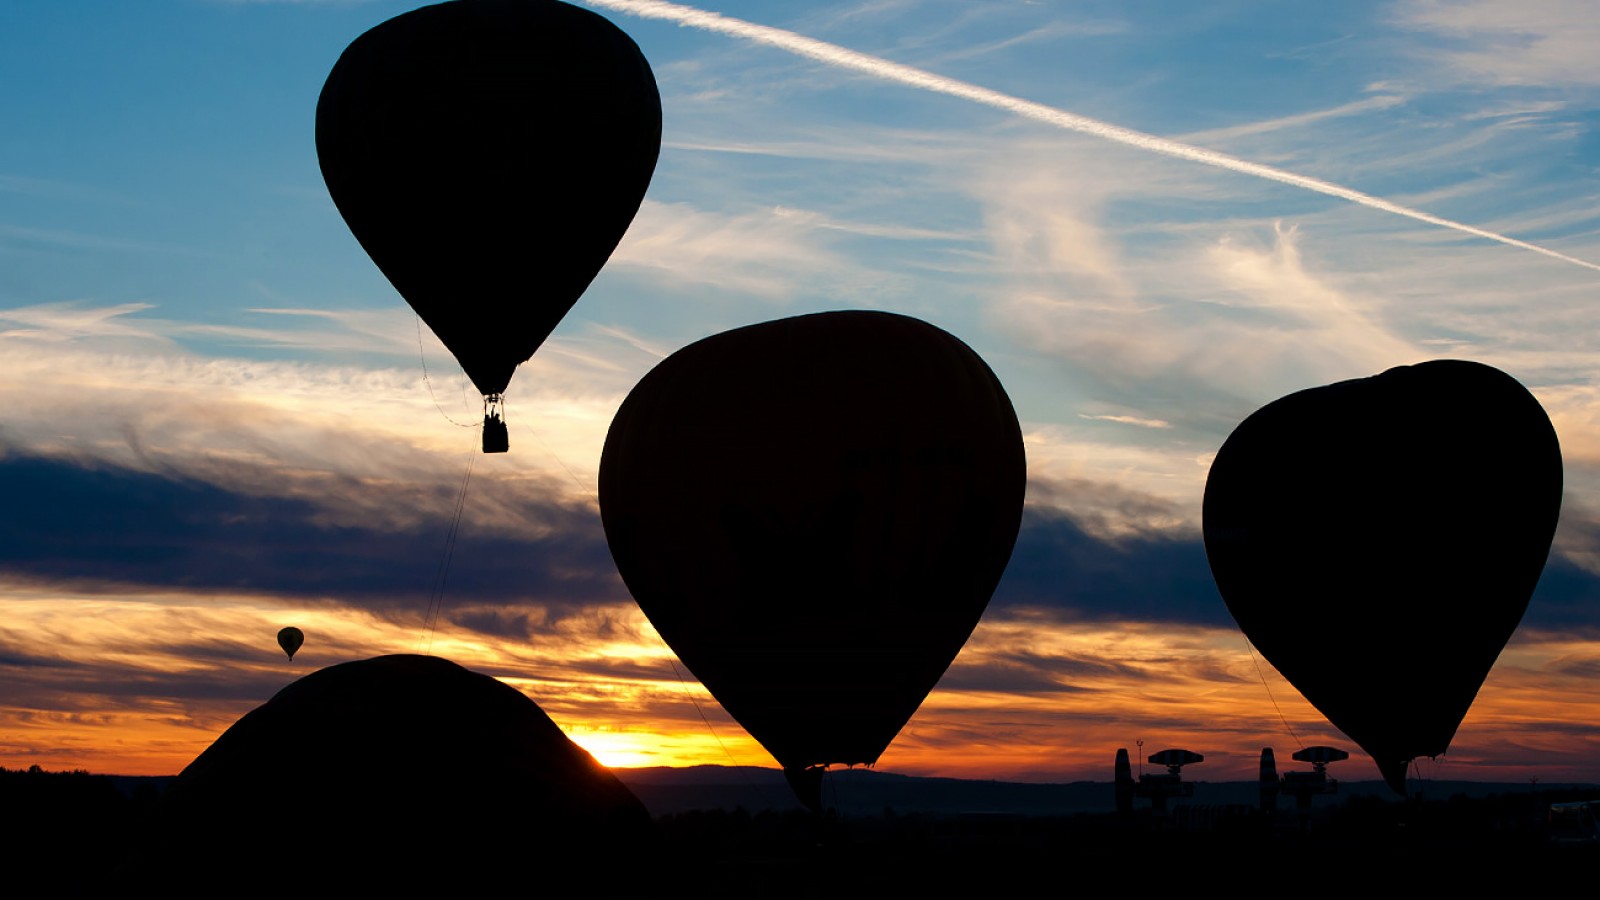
71, 831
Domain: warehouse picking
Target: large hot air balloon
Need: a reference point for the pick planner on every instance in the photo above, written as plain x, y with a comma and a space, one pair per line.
813, 513
489, 155
1378, 541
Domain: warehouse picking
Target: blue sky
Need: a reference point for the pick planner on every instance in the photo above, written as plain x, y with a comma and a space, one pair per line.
184, 315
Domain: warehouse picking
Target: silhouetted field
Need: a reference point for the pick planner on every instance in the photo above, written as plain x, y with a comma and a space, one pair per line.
72, 831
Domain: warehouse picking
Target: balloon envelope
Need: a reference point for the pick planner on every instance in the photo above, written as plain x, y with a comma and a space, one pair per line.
1378, 540
489, 155
813, 513
290, 639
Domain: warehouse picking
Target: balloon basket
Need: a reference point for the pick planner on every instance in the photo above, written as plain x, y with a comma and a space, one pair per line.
495, 437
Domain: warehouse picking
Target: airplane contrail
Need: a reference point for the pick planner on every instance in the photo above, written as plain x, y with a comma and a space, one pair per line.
833, 54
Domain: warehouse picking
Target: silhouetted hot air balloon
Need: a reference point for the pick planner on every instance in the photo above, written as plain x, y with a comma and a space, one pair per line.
489, 155
290, 639
813, 513
1378, 541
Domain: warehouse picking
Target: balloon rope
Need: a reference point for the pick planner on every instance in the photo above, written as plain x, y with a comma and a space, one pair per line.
588, 490
442, 573
1263, 676
429, 383
683, 683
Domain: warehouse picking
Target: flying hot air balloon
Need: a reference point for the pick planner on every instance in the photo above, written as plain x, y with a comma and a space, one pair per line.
813, 513
1378, 541
290, 639
489, 155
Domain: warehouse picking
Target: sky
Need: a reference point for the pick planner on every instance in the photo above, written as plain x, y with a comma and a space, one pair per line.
217, 418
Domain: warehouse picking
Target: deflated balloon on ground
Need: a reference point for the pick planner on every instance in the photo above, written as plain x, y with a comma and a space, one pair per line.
394, 771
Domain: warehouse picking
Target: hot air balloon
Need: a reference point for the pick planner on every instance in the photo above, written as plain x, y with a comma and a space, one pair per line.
1378, 540
290, 639
489, 155
813, 513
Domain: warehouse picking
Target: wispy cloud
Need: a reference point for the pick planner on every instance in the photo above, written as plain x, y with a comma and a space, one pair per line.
1128, 420
128, 385
26, 236
835, 55
1209, 316
57, 190
72, 321
765, 253
1277, 281
1299, 120
1547, 43
1518, 109
1045, 33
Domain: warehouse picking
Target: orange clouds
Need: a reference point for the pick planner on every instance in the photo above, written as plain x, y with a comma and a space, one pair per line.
142, 685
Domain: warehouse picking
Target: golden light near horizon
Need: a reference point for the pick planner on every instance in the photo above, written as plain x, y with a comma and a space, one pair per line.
231, 642
1196, 688
115, 666
625, 748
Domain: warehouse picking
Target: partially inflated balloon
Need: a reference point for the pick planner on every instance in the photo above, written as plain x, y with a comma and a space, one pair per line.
395, 776
489, 155
1378, 541
290, 639
813, 513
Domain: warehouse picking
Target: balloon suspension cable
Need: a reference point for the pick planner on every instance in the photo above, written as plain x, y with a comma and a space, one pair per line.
587, 489
683, 684
442, 573
1276, 708
429, 382
1416, 772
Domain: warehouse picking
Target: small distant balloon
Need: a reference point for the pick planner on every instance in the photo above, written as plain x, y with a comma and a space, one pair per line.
290, 640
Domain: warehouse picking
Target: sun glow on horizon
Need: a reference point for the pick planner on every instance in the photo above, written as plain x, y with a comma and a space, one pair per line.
625, 748
183, 669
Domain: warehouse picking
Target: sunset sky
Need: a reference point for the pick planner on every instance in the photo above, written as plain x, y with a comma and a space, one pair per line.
217, 417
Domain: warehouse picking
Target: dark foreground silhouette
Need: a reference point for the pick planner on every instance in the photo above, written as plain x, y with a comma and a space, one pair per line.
395, 770
62, 831
813, 512
1378, 541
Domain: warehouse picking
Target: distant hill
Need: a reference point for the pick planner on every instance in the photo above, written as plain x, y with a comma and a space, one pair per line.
868, 792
